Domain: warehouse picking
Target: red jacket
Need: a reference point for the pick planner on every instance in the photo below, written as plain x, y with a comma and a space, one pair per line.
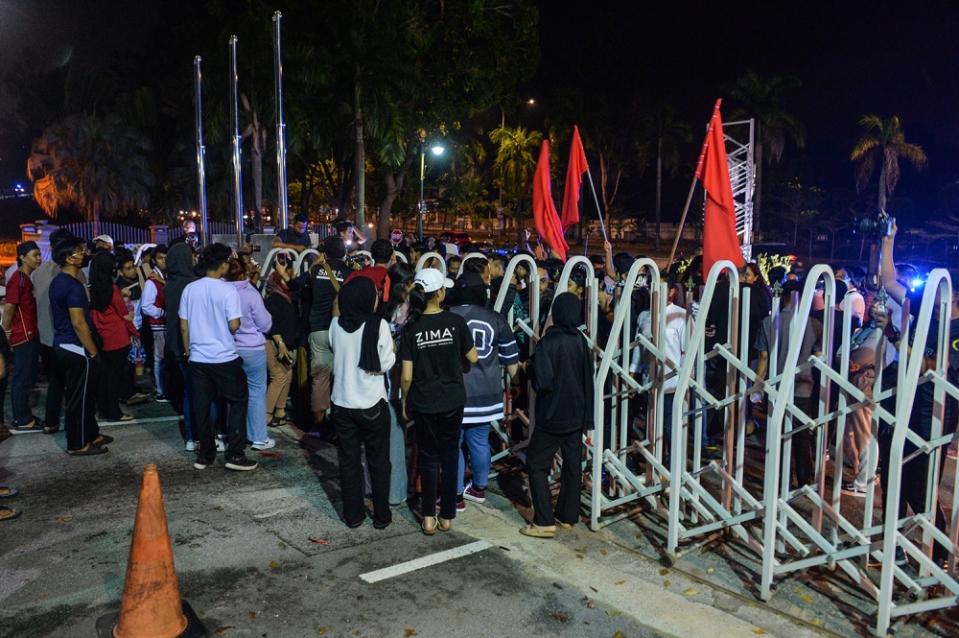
111, 324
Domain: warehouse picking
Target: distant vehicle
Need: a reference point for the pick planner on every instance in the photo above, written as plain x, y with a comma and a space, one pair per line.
458, 237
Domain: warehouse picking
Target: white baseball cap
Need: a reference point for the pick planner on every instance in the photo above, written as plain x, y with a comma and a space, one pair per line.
431, 280
104, 238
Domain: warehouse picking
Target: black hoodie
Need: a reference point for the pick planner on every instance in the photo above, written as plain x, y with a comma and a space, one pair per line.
180, 272
563, 371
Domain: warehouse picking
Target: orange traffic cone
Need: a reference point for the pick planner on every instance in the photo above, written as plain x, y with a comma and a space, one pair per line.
151, 605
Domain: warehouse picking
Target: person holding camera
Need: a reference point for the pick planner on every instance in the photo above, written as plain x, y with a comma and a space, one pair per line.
282, 340
296, 237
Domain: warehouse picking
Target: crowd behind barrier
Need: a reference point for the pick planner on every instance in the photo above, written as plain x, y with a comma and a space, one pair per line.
692, 382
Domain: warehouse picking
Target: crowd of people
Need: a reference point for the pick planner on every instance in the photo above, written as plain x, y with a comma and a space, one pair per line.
404, 369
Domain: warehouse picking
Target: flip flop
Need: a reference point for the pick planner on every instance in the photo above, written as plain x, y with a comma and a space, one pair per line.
103, 439
91, 450
10, 491
535, 531
8, 513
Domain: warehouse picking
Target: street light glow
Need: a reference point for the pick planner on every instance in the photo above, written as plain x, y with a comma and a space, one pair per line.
437, 150
531, 101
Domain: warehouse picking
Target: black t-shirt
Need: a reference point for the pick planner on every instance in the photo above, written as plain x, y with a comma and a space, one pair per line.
437, 345
323, 294
290, 236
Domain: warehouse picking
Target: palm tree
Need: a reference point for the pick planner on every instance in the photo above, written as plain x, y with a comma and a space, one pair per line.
761, 99
98, 165
515, 160
883, 144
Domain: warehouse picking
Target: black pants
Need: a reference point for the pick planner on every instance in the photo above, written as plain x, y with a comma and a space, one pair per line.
219, 381
369, 428
24, 376
111, 383
804, 444
539, 459
80, 379
54, 376
912, 489
438, 438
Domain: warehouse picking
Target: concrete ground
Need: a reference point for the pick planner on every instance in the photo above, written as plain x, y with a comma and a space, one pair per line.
265, 553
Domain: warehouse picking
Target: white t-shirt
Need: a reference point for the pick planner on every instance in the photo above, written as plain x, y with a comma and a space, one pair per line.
209, 305
354, 387
673, 341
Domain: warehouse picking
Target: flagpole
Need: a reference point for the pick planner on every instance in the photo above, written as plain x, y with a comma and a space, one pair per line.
682, 221
599, 213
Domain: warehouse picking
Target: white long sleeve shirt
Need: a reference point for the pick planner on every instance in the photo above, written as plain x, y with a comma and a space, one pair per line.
354, 387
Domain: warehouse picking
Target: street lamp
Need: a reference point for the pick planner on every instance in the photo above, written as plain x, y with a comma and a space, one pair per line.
437, 150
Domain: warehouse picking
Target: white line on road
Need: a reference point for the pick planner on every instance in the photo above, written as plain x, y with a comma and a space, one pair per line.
424, 561
146, 419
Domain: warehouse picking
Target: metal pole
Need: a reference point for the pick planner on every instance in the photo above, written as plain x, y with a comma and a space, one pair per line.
282, 204
235, 123
682, 222
419, 219
200, 150
599, 213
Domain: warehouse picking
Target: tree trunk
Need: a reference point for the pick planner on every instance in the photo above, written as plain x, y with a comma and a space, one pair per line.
659, 183
360, 170
758, 193
394, 184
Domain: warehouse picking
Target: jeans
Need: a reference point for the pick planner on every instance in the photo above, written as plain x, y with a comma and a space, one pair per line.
539, 459
51, 369
23, 378
189, 431
226, 382
111, 382
80, 380
398, 478
254, 366
437, 436
477, 442
369, 428
159, 350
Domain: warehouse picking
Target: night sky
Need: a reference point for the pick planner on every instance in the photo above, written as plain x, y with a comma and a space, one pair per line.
852, 57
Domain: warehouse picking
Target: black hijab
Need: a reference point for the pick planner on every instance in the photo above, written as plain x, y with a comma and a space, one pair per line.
356, 301
567, 313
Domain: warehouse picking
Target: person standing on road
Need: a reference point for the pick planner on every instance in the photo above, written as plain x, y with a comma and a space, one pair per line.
77, 353
210, 312
281, 343
154, 307
181, 273
496, 348
362, 356
434, 347
251, 346
562, 375
20, 328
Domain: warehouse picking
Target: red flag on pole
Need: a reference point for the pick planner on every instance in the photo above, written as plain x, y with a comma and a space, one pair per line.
719, 229
544, 210
574, 179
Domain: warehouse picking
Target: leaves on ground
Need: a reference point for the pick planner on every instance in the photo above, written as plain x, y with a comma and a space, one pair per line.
691, 592
806, 598
667, 583
409, 632
321, 631
710, 570
281, 544
274, 564
222, 630
663, 571
759, 631
560, 616
619, 582
619, 634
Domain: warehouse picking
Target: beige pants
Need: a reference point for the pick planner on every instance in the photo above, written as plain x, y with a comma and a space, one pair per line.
859, 441
281, 375
321, 369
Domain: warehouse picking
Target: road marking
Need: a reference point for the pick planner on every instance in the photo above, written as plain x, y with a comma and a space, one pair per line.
155, 419
424, 561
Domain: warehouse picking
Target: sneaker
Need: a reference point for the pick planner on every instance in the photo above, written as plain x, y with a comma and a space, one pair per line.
241, 464
51, 429
263, 445
475, 494
202, 464
851, 489
160, 398
220, 445
460, 503
190, 446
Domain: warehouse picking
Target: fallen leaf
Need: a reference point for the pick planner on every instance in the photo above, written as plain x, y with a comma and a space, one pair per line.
759, 631
816, 622
409, 632
224, 629
806, 598
64, 519
319, 541
594, 589
281, 544
274, 564
321, 631
619, 582
603, 552
560, 616
710, 570
663, 572
667, 583
579, 556
691, 592
252, 615
591, 605
619, 634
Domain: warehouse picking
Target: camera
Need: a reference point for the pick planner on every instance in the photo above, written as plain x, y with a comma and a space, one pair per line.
878, 227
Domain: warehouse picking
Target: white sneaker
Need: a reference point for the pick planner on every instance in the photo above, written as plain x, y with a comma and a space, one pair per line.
220, 445
263, 445
190, 446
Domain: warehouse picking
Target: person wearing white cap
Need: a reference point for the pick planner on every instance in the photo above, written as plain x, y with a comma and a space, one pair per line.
103, 242
434, 346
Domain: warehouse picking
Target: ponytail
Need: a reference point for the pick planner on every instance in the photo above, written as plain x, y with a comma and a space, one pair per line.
418, 300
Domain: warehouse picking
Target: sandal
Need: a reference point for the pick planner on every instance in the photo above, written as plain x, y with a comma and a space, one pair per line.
429, 525
34, 426
536, 531
89, 450
444, 524
102, 440
8, 492
8, 513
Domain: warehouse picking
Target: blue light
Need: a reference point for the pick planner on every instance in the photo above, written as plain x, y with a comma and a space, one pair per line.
916, 283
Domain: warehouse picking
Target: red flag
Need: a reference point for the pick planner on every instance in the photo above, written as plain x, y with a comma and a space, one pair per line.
544, 210
574, 179
719, 229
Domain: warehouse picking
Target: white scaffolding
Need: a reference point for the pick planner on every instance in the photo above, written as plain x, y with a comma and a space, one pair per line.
740, 137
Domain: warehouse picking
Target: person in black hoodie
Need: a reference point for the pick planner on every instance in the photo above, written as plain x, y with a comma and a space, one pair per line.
562, 372
180, 272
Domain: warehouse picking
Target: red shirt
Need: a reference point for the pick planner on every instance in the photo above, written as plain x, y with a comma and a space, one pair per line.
114, 330
23, 328
379, 275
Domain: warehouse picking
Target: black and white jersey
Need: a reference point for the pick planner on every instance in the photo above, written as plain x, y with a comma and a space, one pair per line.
496, 346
